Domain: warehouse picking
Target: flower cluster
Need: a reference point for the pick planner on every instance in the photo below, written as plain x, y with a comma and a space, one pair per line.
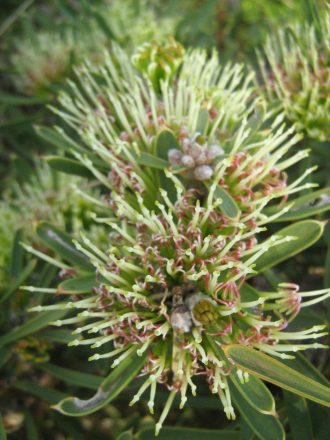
171, 281
298, 76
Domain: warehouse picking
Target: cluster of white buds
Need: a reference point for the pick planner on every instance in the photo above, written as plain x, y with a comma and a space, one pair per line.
197, 156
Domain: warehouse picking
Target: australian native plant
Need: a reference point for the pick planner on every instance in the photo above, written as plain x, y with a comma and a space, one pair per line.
192, 170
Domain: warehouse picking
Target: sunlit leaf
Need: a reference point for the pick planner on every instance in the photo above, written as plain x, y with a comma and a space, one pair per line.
276, 372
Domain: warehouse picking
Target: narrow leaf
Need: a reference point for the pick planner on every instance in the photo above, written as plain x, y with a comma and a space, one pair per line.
68, 166
256, 394
61, 243
274, 371
75, 286
49, 395
31, 326
306, 233
117, 380
266, 427
71, 376
152, 161
304, 206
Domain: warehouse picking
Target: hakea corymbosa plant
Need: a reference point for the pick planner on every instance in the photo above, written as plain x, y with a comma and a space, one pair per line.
296, 75
187, 172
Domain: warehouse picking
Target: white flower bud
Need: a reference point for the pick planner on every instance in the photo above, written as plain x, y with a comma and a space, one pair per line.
195, 150
187, 161
203, 172
213, 151
201, 159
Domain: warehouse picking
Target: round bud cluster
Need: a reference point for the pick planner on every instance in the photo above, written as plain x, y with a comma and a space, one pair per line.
197, 156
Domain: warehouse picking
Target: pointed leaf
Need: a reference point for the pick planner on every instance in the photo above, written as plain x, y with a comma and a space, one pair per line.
304, 206
274, 371
152, 161
266, 427
75, 286
256, 394
31, 326
117, 380
49, 395
71, 376
306, 233
68, 166
56, 138
61, 243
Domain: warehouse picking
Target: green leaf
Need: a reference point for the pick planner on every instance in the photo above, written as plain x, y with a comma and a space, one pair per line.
68, 166
15, 100
266, 427
58, 335
304, 366
61, 243
188, 434
228, 206
152, 161
304, 206
49, 395
79, 285
166, 141
127, 435
256, 394
3, 435
31, 326
266, 368
56, 138
306, 233
299, 417
71, 376
117, 380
